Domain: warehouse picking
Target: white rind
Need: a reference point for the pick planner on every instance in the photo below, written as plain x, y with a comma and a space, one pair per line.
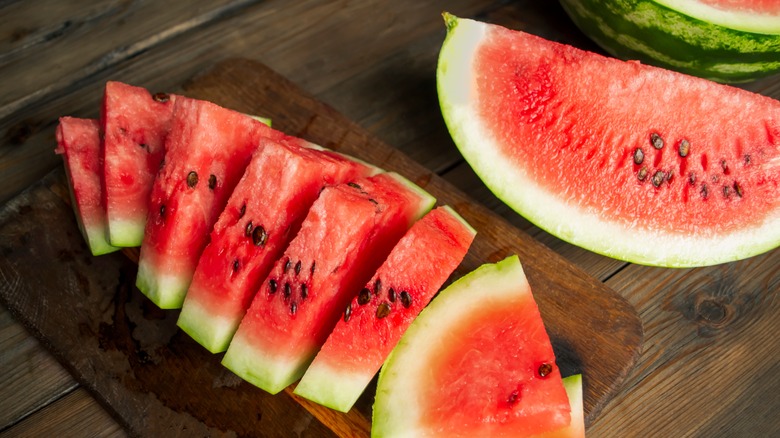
739, 20
580, 226
396, 410
211, 331
317, 386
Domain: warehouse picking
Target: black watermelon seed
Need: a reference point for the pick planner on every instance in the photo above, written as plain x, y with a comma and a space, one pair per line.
639, 156
737, 189
293, 308
161, 97
658, 178
383, 310
406, 299
684, 148
248, 229
298, 267
242, 212
313, 265
347, 312
364, 296
287, 266
391, 295
235, 265
212, 181
373, 201
304, 291
259, 236
143, 145
272, 286
545, 369
704, 191
642, 174
747, 159
692, 178
724, 166
656, 141
287, 290
355, 185
162, 210
377, 286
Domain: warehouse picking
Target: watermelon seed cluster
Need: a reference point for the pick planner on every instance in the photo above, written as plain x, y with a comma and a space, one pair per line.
287, 287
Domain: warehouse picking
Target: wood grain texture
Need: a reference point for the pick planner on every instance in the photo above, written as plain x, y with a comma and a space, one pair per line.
135, 359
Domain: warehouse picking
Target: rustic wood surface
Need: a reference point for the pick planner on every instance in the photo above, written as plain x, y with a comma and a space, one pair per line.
711, 358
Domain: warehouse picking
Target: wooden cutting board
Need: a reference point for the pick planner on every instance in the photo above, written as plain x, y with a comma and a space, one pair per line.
159, 382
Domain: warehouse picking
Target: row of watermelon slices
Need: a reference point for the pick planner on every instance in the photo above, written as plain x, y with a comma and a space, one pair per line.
276, 250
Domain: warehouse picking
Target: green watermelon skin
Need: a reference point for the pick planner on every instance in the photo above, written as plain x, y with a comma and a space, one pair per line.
740, 50
78, 141
208, 149
413, 272
135, 124
346, 235
566, 138
252, 232
476, 362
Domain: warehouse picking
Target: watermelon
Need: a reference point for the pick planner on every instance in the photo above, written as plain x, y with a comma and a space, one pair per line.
723, 40
346, 235
576, 428
207, 150
135, 124
252, 232
413, 272
631, 161
78, 141
476, 362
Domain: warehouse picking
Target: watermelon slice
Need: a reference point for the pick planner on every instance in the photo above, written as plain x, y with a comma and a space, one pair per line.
78, 141
576, 428
631, 161
476, 362
208, 149
413, 272
135, 124
252, 232
344, 238
723, 40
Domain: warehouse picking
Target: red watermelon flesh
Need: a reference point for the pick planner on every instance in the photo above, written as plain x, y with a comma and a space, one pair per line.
768, 7
476, 362
414, 271
263, 214
207, 150
78, 141
344, 238
135, 124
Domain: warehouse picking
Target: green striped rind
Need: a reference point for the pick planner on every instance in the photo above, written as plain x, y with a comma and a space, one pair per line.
658, 35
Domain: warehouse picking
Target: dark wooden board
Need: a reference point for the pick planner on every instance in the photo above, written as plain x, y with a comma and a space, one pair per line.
157, 381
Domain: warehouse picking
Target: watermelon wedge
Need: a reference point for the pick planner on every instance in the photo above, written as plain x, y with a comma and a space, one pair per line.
207, 150
722, 40
78, 141
476, 362
576, 428
630, 161
346, 235
252, 232
135, 124
413, 272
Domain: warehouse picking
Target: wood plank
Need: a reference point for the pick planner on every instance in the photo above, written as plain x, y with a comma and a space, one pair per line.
31, 377
73, 40
710, 349
122, 339
75, 414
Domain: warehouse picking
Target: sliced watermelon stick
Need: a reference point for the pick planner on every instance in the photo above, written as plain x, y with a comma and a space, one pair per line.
576, 428
208, 149
347, 234
78, 141
135, 124
413, 272
263, 214
476, 362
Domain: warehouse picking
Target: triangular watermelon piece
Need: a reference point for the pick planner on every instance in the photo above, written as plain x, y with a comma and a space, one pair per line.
346, 235
252, 232
135, 124
78, 141
414, 271
207, 150
476, 362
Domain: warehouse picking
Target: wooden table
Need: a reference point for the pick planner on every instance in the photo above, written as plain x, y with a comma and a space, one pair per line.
710, 362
